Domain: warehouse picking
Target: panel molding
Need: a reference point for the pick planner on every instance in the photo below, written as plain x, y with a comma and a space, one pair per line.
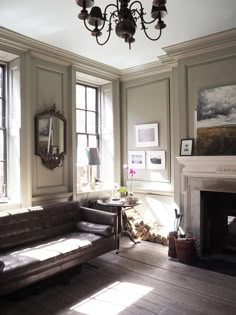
58, 178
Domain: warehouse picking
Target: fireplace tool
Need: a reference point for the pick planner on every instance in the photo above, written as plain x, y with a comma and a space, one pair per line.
178, 219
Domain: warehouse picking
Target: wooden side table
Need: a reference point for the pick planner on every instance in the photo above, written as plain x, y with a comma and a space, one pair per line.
118, 207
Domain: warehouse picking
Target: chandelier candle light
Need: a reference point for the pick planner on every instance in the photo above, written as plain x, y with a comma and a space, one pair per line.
124, 16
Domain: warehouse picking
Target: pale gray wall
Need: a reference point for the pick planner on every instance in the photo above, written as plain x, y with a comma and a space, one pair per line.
168, 98
204, 71
144, 101
147, 101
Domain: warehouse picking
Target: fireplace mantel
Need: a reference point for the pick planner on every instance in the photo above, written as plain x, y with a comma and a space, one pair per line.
209, 166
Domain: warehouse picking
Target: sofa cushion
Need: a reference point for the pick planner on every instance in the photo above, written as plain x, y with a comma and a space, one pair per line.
1, 265
47, 250
21, 226
99, 229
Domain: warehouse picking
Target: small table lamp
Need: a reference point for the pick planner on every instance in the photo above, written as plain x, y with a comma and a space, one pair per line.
93, 159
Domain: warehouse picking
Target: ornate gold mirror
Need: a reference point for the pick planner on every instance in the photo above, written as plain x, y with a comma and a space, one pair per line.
50, 137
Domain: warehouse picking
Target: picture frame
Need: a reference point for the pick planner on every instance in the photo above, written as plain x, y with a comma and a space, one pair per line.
136, 159
216, 121
155, 160
186, 147
146, 135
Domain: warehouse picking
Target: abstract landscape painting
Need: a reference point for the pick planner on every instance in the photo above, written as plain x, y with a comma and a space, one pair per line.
216, 121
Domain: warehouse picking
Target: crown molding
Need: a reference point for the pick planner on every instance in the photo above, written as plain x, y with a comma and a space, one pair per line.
15, 41
206, 44
49, 58
149, 69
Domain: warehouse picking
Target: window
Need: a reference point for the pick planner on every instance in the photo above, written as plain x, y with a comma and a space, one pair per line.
10, 124
94, 128
87, 127
3, 166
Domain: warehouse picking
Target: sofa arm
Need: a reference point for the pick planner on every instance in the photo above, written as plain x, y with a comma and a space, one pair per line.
98, 216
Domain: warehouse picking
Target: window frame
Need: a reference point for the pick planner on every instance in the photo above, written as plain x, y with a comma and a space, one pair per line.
97, 133
3, 126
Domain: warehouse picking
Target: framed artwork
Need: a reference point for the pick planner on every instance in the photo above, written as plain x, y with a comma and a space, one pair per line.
155, 160
216, 121
146, 135
136, 159
186, 147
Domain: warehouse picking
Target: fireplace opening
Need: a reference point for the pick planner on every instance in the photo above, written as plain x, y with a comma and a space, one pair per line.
218, 223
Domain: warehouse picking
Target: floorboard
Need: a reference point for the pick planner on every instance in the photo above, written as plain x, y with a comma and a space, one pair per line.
140, 280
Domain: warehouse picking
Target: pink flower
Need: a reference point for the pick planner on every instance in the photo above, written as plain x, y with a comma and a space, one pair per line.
132, 172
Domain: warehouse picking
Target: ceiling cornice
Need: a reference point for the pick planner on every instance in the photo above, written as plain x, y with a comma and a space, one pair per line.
51, 53
206, 44
145, 70
17, 43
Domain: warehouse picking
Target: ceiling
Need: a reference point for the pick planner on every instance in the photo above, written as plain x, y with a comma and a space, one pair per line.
55, 22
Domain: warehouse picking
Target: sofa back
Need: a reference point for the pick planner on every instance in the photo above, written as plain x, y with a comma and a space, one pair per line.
36, 223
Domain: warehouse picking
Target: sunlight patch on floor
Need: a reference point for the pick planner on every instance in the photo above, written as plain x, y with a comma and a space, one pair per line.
112, 299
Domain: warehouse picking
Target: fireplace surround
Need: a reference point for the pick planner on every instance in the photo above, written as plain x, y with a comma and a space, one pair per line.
208, 190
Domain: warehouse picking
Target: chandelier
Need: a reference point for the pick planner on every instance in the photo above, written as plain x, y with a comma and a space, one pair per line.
125, 17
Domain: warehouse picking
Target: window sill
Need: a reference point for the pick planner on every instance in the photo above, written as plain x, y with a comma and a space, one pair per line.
95, 190
9, 205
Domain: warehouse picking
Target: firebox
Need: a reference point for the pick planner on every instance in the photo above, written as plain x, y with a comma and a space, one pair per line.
218, 223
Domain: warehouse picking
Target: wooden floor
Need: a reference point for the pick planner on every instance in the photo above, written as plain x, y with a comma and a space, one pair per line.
141, 280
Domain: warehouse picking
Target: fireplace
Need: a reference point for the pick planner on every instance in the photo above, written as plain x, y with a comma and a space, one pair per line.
208, 191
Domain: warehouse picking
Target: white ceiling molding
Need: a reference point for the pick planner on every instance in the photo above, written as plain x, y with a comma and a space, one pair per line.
52, 53
49, 58
142, 71
206, 44
17, 43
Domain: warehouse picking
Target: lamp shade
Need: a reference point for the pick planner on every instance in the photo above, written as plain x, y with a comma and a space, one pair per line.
93, 156
95, 16
158, 12
86, 3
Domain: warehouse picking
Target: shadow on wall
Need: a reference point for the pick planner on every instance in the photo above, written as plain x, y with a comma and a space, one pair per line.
158, 210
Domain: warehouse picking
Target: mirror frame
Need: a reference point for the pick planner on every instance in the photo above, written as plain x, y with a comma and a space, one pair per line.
50, 159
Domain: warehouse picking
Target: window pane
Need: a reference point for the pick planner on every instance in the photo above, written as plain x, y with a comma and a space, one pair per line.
80, 121
1, 145
1, 81
91, 99
81, 150
93, 142
91, 122
83, 177
1, 112
2, 164
80, 96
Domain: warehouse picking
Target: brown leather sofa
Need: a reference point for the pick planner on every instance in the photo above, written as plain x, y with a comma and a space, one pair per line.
38, 242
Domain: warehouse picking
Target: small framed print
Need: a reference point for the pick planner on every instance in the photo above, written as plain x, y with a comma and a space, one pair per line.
146, 135
186, 147
155, 160
136, 159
